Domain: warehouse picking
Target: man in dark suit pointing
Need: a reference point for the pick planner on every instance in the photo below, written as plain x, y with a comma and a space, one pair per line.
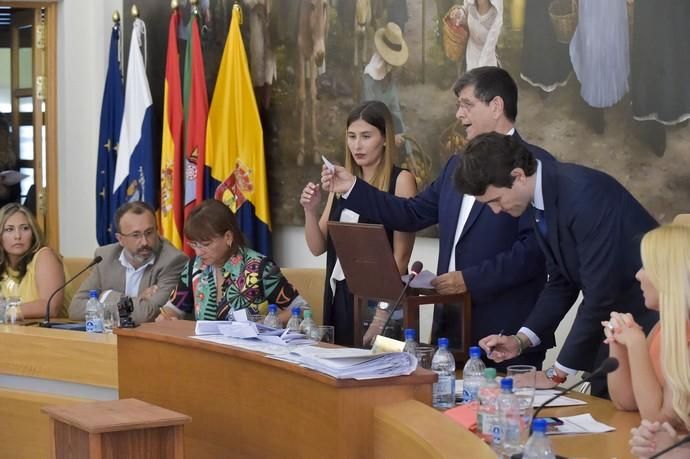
494, 257
589, 228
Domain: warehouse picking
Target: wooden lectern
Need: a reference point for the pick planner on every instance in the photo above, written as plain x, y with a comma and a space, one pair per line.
372, 274
115, 429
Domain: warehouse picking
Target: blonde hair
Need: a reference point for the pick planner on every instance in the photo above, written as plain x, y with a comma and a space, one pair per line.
666, 260
36, 240
378, 115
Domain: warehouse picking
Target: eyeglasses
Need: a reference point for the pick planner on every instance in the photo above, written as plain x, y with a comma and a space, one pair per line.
136, 235
200, 245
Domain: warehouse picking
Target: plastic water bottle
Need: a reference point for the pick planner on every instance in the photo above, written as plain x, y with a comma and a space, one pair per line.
410, 343
487, 416
472, 376
307, 324
94, 313
443, 364
506, 437
538, 446
295, 320
271, 319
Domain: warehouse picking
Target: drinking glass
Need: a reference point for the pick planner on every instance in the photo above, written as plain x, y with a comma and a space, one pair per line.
13, 311
425, 354
3, 304
524, 383
323, 333
111, 316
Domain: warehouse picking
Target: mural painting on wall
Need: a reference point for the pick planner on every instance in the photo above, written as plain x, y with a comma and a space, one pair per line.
604, 84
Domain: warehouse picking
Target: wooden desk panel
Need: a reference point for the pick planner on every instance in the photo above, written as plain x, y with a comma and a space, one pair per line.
60, 355
244, 404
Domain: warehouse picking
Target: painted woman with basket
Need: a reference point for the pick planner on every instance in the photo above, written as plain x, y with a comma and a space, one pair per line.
485, 21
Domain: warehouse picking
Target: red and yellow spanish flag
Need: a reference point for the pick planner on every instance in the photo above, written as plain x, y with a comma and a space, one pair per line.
172, 171
234, 144
195, 118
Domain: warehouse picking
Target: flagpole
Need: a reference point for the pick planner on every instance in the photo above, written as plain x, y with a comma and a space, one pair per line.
134, 11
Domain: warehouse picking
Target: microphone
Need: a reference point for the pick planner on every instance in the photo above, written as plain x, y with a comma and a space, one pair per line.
684, 440
610, 364
414, 272
46, 321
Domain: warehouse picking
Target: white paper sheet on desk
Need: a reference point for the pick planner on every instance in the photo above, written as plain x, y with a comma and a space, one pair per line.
540, 396
239, 330
580, 424
248, 344
209, 327
422, 280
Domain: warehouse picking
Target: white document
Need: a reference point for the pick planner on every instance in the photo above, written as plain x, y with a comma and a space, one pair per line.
422, 280
240, 315
542, 396
248, 344
327, 163
580, 424
209, 327
239, 330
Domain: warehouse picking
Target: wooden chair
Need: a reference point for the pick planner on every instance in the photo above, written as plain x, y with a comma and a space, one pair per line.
682, 219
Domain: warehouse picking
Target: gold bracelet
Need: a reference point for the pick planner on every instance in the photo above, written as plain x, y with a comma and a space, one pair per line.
519, 341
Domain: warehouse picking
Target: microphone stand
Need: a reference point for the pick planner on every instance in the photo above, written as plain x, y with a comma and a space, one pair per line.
685, 439
398, 301
46, 320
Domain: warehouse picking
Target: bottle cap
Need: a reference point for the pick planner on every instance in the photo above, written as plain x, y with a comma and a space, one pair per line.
475, 352
272, 308
93, 293
443, 342
490, 373
539, 425
296, 311
507, 384
307, 313
410, 334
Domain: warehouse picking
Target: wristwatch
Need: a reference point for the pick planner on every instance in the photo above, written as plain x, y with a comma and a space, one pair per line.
382, 305
552, 375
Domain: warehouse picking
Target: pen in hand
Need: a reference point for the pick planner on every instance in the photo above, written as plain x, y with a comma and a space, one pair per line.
491, 350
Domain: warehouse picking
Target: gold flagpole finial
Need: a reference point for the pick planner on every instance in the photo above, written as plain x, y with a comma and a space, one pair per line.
237, 7
195, 7
174, 4
116, 16
135, 11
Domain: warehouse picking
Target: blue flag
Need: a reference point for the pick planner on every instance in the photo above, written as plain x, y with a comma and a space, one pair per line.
109, 134
136, 174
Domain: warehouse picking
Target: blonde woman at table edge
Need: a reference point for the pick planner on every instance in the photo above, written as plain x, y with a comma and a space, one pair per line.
653, 376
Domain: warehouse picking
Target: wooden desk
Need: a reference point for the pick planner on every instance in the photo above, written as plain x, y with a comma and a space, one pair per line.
252, 406
605, 445
39, 367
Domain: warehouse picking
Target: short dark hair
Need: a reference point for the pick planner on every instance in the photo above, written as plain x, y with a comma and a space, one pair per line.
212, 219
488, 83
488, 159
136, 207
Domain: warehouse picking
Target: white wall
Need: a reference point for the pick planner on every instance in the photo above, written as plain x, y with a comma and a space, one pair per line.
83, 40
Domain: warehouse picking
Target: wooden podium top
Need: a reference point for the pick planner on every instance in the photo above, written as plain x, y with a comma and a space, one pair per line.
180, 332
115, 416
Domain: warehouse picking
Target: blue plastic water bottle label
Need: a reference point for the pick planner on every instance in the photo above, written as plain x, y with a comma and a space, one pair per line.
90, 326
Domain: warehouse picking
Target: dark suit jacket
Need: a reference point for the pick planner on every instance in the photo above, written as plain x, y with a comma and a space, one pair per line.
594, 228
498, 255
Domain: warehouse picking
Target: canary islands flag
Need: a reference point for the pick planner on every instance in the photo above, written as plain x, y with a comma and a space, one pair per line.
172, 166
136, 177
111, 120
234, 144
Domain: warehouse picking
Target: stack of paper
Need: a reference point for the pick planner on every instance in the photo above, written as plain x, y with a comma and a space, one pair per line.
344, 363
542, 395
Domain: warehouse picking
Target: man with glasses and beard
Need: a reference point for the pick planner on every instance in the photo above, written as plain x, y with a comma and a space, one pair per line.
140, 265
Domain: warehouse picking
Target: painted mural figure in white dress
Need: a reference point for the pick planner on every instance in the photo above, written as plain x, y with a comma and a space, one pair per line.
485, 21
